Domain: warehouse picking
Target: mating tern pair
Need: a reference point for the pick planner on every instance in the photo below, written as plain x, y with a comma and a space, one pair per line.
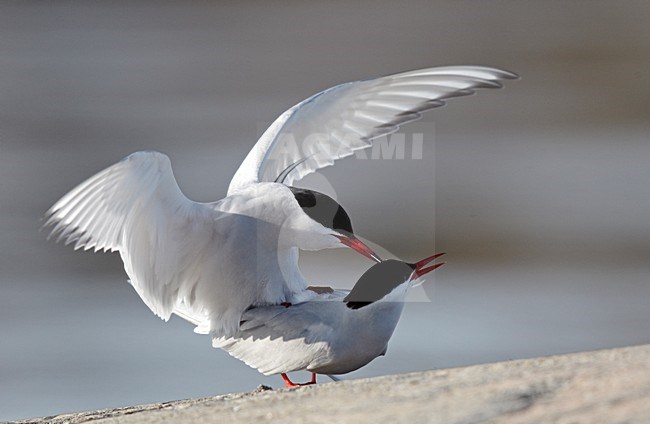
226, 265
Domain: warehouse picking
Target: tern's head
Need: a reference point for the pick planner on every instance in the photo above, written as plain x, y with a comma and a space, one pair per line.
328, 224
388, 279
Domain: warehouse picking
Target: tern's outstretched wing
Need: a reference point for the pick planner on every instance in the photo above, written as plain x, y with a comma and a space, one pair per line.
177, 253
338, 121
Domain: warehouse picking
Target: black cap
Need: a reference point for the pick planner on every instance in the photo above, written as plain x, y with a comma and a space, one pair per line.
323, 209
377, 282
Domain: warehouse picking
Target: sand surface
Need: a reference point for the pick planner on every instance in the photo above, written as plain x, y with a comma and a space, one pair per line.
602, 386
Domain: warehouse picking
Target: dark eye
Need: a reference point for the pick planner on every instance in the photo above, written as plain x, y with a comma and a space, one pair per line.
305, 198
342, 221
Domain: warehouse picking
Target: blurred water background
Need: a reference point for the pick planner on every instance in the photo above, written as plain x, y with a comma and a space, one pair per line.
541, 190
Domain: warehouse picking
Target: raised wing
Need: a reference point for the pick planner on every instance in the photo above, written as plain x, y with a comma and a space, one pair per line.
177, 253
338, 121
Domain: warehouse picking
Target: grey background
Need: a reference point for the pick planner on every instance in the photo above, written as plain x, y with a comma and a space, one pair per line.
541, 190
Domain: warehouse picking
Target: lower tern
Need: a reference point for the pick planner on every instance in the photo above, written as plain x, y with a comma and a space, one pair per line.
333, 333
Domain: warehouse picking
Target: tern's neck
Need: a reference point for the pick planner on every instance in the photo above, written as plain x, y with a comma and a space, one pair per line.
288, 259
379, 319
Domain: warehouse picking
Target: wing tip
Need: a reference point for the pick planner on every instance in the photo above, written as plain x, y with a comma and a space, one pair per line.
142, 154
510, 75
489, 73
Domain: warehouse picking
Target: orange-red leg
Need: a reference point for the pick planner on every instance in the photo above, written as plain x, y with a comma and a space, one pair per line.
290, 384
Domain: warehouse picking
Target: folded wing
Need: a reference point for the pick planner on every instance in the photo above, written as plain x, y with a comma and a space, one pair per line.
276, 339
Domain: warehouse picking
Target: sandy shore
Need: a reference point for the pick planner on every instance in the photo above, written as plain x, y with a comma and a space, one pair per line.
602, 386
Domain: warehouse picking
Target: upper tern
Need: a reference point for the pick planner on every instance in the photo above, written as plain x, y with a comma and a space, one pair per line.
218, 259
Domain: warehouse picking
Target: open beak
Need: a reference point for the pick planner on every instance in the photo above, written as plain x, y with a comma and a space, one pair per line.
420, 268
358, 246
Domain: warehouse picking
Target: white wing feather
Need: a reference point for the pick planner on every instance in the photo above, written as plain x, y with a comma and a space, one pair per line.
340, 120
276, 339
179, 254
